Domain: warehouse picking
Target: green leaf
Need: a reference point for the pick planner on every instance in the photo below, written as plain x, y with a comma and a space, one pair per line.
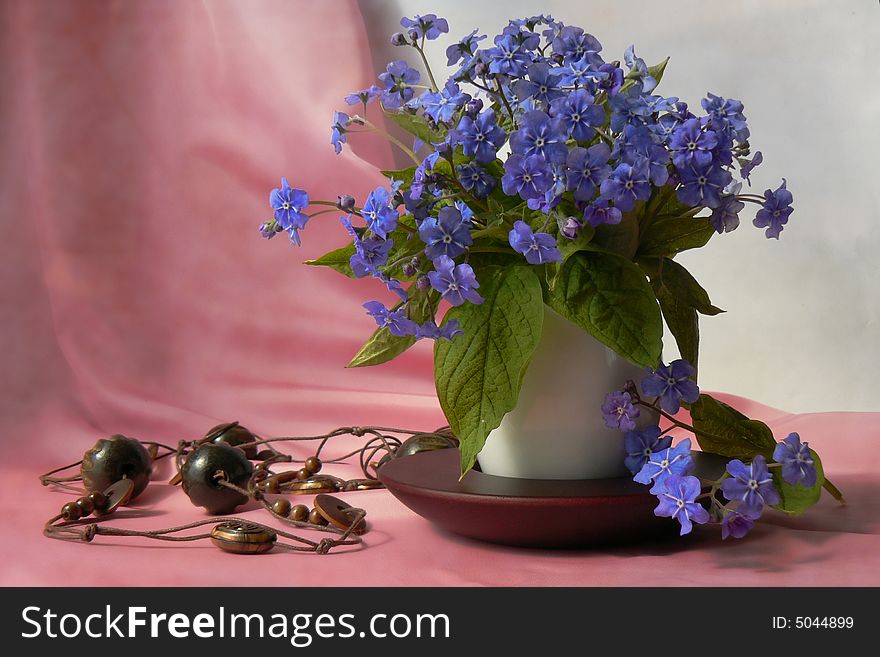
724, 430
797, 499
479, 374
679, 283
380, 348
622, 238
337, 259
670, 235
416, 126
655, 71
406, 175
610, 298
683, 323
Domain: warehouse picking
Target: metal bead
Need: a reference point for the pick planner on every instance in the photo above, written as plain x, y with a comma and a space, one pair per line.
316, 518
303, 473
300, 513
281, 507
71, 511
202, 469
232, 433
313, 464
115, 458
243, 538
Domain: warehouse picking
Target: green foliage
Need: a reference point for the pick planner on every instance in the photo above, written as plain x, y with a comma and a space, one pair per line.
337, 259
683, 323
416, 126
479, 374
724, 430
672, 234
797, 499
678, 281
383, 346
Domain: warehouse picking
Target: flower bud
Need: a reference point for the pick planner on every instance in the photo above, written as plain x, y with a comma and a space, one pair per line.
414, 35
397, 39
345, 203
474, 107
411, 268
481, 68
422, 283
569, 227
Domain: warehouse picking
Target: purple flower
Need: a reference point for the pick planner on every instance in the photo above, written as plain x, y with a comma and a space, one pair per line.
369, 254
582, 71
600, 212
448, 234
395, 321
337, 135
626, 185
530, 177
449, 330
672, 384
573, 42
398, 79
464, 49
269, 229
508, 57
691, 146
746, 166
538, 134
364, 96
797, 462
775, 211
542, 85
442, 105
750, 485
638, 70
456, 284
479, 137
736, 524
628, 107
381, 218
428, 26
586, 169
678, 500
577, 115
702, 185
476, 179
725, 217
665, 462
612, 80
289, 204
641, 445
618, 411
538, 248
727, 113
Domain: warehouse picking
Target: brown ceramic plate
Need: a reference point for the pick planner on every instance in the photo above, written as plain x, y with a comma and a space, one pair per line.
525, 512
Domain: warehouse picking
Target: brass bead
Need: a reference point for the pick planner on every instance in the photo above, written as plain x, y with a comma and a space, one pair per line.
300, 513
313, 464
281, 507
316, 518
85, 506
270, 486
71, 511
99, 500
303, 473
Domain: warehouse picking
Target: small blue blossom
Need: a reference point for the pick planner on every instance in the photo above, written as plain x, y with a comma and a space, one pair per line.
702, 185
725, 218
691, 146
629, 106
530, 177
582, 71
573, 42
270, 229
476, 179
618, 411
508, 57
677, 500
289, 204
642, 445
464, 49
456, 283
670, 121
398, 79
364, 96
611, 78
665, 462
750, 485
727, 113
672, 383
537, 248
599, 212
797, 462
746, 166
450, 329
538, 134
395, 321
586, 169
578, 115
542, 85
442, 105
626, 185
479, 137
428, 26
736, 525
341, 121
775, 211
448, 234
369, 254
638, 70
381, 218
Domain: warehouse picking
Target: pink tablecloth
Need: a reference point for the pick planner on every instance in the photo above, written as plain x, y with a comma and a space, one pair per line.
139, 144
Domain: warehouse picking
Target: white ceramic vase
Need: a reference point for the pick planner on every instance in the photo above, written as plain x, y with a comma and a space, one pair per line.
556, 430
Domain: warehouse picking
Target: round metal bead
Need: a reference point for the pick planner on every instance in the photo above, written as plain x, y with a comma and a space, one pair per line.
303, 473
316, 518
205, 466
313, 464
281, 507
300, 513
115, 458
232, 433
243, 538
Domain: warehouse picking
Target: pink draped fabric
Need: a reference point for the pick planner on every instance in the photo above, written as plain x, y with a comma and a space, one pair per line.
139, 144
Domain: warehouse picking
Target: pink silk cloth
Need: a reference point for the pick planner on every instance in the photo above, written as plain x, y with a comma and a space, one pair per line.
140, 141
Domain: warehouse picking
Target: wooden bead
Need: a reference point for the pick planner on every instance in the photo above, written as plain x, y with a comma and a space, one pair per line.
313, 464
71, 511
85, 506
281, 507
243, 538
232, 433
300, 513
99, 500
115, 458
316, 518
303, 473
270, 486
200, 476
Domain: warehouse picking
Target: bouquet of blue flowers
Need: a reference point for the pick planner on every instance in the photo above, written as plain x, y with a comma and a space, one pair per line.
544, 174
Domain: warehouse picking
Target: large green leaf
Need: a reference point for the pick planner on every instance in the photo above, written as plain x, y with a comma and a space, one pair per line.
609, 297
383, 346
479, 374
671, 234
622, 238
683, 323
724, 430
337, 259
795, 499
684, 287
406, 175
416, 126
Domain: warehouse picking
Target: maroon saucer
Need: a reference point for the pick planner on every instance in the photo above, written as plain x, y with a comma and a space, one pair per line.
524, 512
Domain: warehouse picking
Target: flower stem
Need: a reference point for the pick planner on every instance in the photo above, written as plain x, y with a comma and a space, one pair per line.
503, 97
834, 491
427, 66
394, 140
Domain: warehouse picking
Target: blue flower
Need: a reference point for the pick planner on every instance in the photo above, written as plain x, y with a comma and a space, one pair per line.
427, 26
270, 229
638, 70
450, 329
530, 177
642, 445
678, 500
395, 321
456, 284
629, 106
586, 168
582, 71
599, 212
797, 462
289, 204
508, 57
665, 462
337, 136
464, 49
448, 234
369, 254
702, 185
746, 166
381, 218
725, 218
626, 185
578, 115
476, 179
542, 85
618, 411
611, 80
672, 383
538, 134
750, 485
669, 122
775, 211
573, 42
538, 248
691, 146
727, 113
736, 524
479, 137
364, 96
398, 79
442, 105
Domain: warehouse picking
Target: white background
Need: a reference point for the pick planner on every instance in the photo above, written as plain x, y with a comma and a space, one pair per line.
802, 331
